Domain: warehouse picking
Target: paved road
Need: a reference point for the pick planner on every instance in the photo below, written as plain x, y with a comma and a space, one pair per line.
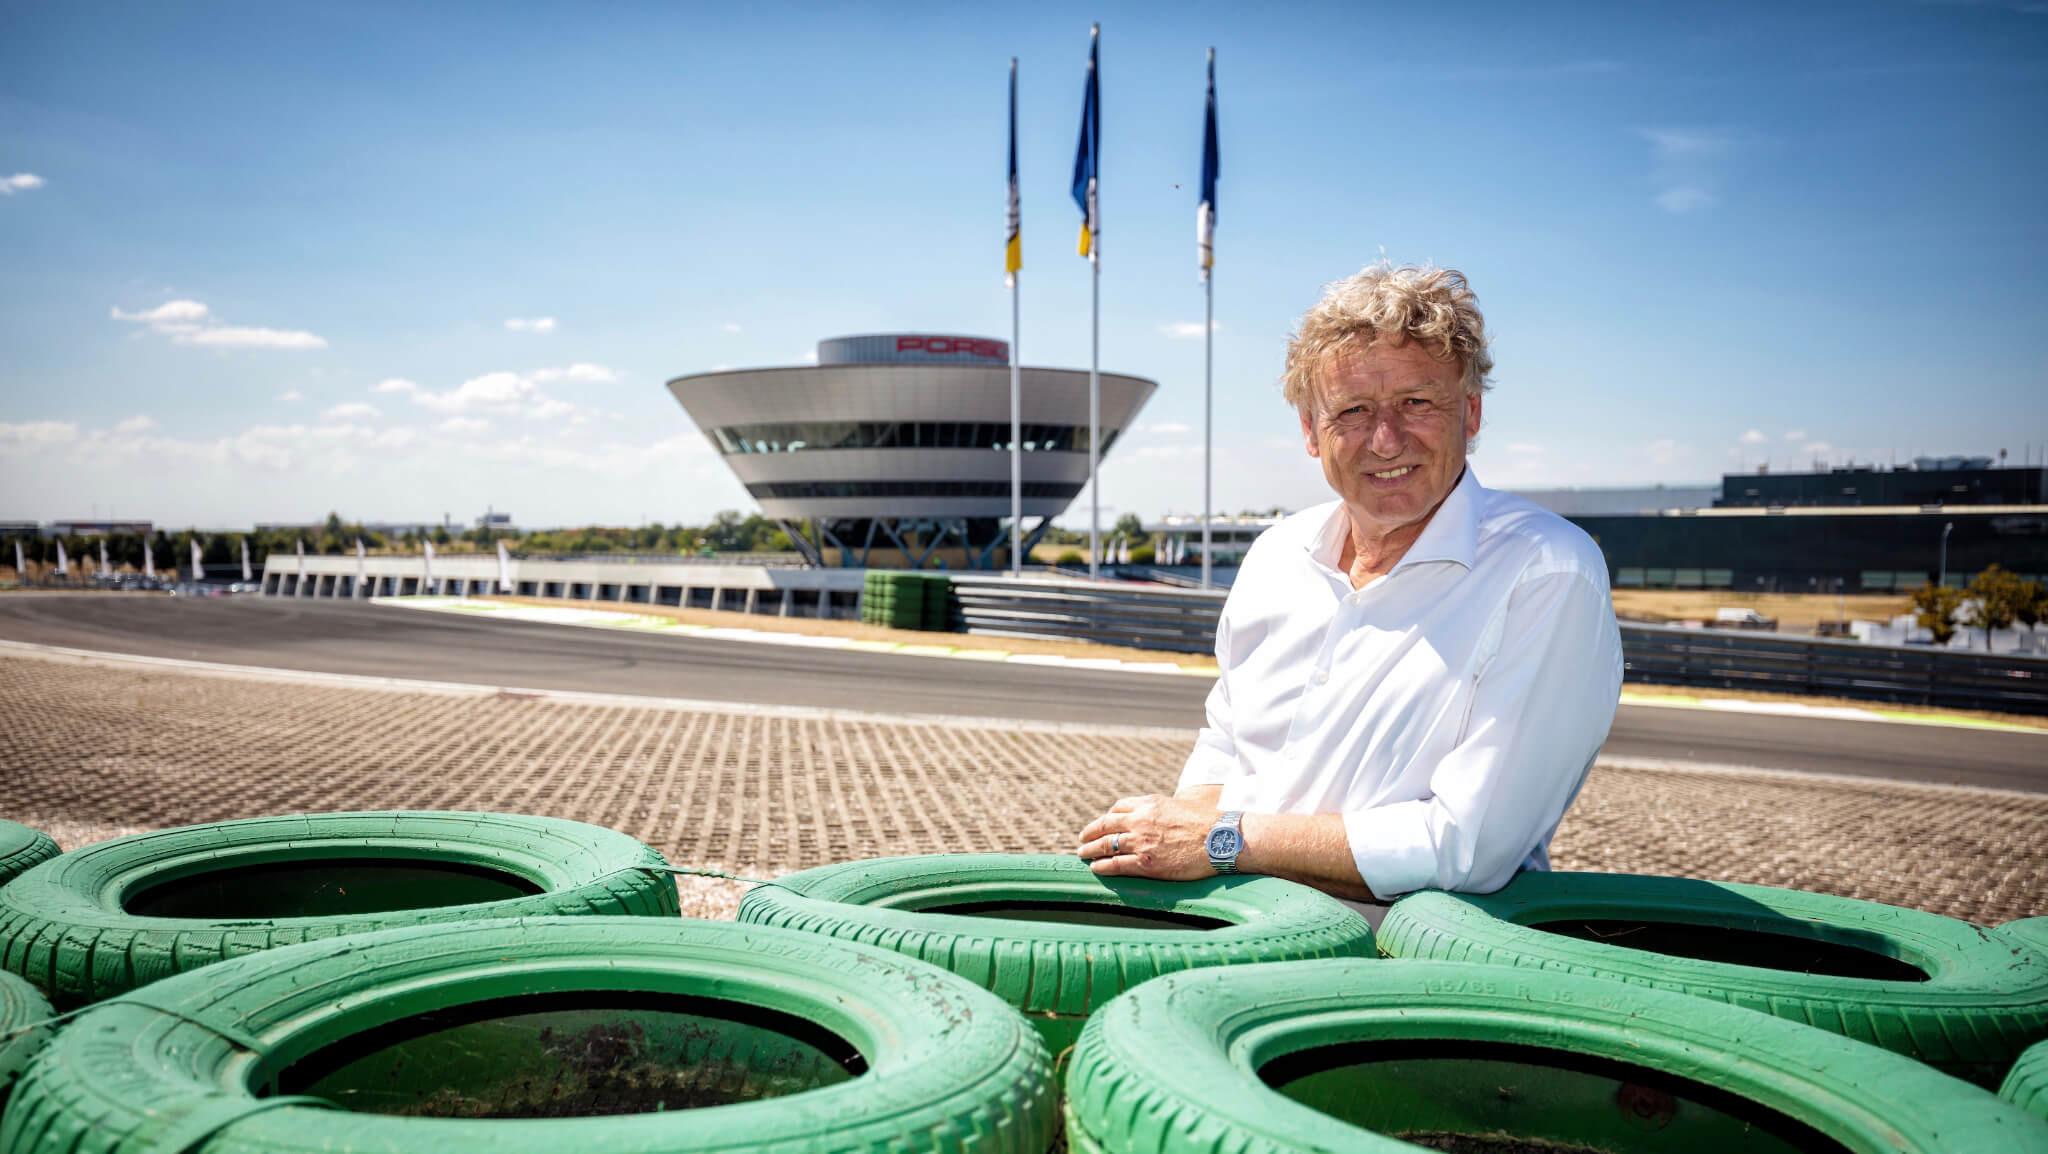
346, 637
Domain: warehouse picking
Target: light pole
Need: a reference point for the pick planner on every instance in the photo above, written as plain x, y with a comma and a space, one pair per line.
1943, 578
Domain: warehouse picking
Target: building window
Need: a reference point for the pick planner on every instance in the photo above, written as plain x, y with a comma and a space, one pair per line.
803, 436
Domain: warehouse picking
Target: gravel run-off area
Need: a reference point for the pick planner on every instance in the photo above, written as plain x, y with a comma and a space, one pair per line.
90, 751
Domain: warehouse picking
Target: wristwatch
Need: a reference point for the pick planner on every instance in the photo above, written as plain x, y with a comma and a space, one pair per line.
1225, 841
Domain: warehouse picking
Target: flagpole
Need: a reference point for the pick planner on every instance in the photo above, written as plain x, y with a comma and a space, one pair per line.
1208, 410
1014, 264
1205, 239
1094, 209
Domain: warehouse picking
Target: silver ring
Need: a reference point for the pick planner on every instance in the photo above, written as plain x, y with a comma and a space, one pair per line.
1115, 844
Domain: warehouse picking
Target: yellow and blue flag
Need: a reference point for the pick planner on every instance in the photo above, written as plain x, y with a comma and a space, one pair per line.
1013, 249
1205, 214
1088, 157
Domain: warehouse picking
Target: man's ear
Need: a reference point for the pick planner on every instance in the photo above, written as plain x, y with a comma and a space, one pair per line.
1472, 407
1308, 432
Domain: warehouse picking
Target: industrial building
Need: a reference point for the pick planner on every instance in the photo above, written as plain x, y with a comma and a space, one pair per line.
894, 449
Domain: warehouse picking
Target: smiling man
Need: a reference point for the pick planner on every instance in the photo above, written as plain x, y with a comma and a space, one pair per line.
1414, 678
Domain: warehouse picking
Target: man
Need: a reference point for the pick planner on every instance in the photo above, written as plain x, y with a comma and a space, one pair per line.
1414, 678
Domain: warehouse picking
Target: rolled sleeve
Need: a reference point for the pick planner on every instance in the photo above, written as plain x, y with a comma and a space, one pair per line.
1541, 708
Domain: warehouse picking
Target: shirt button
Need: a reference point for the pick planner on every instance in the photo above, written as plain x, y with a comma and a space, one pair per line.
1321, 676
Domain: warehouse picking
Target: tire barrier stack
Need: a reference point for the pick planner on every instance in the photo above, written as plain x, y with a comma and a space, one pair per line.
907, 600
1047, 935
21, 849
1932, 988
1376, 1055
453, 982
121, 914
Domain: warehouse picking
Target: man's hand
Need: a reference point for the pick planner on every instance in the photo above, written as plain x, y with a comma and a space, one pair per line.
1155, 837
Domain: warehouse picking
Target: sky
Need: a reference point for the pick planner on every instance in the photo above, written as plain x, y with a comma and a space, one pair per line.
262, 262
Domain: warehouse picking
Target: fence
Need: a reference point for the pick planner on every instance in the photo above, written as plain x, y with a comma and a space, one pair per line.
1185, 622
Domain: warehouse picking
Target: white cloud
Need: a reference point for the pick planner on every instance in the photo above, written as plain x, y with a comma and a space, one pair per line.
1679, 201
188, 322
584, 373
1754, 437
464, 426
38, 433
530, 324
1526, 447
1817, 448
1187, 330
810, 357
1796, 435
731, 326
394, 385
1666, 451
352, 411
1165, 428
1686, 167
136, 424
19, 182
232, 337
291, 395
169, 312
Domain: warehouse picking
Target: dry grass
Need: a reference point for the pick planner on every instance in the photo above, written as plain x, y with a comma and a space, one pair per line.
1795, 612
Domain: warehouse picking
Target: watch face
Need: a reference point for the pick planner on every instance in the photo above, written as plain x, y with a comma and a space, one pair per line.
1223, 843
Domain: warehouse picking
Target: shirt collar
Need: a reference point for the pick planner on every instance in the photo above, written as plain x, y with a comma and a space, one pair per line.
1451, 535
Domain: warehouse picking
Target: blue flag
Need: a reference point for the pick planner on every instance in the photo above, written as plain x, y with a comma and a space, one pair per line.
1088, 156
1205, 214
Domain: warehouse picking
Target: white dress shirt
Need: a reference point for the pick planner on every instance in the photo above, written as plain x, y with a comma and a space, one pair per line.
1450, 709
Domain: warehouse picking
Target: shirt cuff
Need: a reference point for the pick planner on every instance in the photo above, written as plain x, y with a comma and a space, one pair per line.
1208, 767
1391, 846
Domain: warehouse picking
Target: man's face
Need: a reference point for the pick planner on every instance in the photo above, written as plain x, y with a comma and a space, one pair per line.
1389, 425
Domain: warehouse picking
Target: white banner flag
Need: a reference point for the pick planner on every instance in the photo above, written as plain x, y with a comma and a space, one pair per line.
245, 561
20, 567
302, 556
63, 563
504, 569
361, 567
148, 560
104, 567
429, 582
198, 566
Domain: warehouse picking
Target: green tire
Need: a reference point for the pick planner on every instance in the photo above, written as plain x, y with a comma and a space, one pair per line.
22, 849
2026, 1084
1183, 1064
946, 1068
2031, 932
1958, 998
23, 1010
1057, 972
72, 928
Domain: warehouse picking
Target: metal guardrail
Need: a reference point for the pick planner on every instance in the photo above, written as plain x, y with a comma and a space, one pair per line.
1185, 622
1146, 617
1822, 667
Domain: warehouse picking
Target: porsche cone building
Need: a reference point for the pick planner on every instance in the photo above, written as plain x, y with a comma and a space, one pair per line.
894, 449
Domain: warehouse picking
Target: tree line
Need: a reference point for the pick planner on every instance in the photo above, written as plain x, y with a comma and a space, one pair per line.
1994, 599
728, 532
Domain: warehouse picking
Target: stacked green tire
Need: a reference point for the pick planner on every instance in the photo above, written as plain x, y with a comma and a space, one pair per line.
243, 1056
1057, 972
22, 849
895, 600
23, 1012
938, 603
2026, 1084
907, 600
1341, 1055
120, 914
1959, 998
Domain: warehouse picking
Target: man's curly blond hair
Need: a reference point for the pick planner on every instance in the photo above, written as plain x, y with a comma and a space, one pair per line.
1394, 305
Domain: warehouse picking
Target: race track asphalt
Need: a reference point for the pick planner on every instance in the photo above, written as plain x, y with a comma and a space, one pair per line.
347, 637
